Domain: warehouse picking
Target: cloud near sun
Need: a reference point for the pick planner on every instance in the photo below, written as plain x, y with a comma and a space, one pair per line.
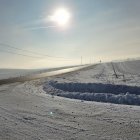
61, 17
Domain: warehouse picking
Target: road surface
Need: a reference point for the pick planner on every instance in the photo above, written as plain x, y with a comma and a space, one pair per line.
42, 75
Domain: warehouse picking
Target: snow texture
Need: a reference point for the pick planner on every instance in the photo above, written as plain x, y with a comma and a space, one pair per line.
28, 113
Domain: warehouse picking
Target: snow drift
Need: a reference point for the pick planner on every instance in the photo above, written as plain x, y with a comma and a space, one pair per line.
118, 94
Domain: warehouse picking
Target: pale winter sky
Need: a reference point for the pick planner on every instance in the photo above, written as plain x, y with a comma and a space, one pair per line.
94, 29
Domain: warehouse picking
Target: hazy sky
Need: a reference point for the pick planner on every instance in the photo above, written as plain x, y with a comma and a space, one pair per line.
98, 29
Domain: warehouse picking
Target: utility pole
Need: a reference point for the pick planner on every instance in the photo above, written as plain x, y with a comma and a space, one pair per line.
90, 60
81, 60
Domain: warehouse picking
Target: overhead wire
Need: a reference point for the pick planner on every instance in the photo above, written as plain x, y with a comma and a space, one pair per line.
32, 52
41, 56
18, 53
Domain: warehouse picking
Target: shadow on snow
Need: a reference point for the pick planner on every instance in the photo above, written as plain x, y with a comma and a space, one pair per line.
119, 94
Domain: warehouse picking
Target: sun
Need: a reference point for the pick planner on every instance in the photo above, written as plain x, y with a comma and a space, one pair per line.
61, 16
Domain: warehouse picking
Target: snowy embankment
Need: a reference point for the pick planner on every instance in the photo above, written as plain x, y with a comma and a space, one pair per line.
111, 82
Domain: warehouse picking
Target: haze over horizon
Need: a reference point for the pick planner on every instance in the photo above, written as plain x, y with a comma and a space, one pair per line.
97, 30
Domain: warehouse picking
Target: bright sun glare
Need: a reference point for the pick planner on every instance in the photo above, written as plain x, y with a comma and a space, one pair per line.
61, 17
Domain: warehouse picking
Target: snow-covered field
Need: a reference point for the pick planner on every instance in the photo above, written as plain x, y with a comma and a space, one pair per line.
10, 73
32, 111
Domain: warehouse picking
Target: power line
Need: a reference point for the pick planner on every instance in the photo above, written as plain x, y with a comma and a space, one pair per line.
46, 55
19, 54
29, 55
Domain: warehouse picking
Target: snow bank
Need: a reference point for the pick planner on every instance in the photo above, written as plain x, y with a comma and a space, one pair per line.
96, 88
118, 94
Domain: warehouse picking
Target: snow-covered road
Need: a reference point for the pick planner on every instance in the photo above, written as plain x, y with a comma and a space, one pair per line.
28, 113
33, 75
